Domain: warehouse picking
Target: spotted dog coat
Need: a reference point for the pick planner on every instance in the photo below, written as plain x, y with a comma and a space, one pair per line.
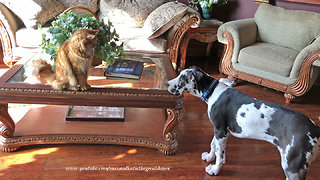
295, 135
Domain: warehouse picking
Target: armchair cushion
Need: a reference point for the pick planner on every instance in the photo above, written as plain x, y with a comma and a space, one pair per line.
289, 28
90, 4
163, 18
131, 13
34, 12
134, 39
268, 57
29, 37
191, 13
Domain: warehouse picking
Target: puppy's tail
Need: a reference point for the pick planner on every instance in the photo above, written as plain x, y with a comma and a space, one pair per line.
42, 70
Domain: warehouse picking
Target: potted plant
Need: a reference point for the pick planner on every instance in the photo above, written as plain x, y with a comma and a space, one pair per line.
206, 6
108, 47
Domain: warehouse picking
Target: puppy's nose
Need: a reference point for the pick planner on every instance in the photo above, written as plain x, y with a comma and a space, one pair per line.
167, 84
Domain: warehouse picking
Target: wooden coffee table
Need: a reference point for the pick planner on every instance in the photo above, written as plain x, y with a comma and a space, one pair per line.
151, 115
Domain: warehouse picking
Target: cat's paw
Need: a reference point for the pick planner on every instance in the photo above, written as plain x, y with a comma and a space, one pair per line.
58, 86
84, 88
73, 88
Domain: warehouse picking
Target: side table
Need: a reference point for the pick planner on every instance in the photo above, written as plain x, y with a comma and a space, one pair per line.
206, 33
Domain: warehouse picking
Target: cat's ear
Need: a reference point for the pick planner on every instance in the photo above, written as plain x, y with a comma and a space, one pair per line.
92, 33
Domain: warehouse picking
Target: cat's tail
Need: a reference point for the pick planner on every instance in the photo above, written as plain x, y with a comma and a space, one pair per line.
43, 72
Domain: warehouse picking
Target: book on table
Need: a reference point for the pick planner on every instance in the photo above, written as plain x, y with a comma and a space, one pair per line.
124, 69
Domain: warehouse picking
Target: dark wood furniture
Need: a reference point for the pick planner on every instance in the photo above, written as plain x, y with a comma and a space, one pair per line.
206, 33
151, 111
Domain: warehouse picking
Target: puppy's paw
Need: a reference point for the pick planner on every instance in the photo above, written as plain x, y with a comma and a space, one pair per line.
207, 157
212, 170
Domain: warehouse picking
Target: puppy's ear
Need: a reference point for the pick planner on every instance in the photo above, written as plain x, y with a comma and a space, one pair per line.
194, 73
198, 75
195, 68
197, 72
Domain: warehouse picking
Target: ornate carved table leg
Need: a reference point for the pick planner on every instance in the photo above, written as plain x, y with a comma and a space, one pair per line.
173, 117
7, 128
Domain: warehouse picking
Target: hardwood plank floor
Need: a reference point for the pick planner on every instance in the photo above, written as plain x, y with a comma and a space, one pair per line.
246, 159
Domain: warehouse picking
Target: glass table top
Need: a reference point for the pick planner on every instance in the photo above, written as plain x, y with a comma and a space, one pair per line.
154, 75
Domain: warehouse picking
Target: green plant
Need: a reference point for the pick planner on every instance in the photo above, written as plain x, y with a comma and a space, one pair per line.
108, 46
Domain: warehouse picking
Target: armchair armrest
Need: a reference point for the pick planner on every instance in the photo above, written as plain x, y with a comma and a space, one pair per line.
303, 68
191, 19
244, 31
317, 62
8, 28
235, 35
314, 47
241, 32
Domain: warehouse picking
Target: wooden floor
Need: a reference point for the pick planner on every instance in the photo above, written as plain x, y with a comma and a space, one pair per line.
246, 159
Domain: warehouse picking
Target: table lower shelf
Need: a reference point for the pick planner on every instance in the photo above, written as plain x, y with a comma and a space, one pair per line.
146, 127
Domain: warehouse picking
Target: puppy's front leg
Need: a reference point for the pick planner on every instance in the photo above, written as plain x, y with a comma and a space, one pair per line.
209, 157
220, 156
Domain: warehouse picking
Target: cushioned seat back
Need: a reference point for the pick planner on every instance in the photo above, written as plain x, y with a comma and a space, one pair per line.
289, 28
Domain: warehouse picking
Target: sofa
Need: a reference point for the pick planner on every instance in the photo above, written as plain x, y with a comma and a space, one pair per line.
278, 49
147, 26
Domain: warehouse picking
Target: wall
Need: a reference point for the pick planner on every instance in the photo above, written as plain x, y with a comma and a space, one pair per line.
239, 9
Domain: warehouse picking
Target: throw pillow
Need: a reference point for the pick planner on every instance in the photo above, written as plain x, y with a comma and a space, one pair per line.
34, 12
163, 18
131, 13
90, 4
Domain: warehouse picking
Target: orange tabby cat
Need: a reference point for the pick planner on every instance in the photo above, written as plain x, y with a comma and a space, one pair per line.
72, 64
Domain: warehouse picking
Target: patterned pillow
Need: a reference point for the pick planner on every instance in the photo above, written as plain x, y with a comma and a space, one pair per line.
90, 4
129, 12
34, 12
163, 18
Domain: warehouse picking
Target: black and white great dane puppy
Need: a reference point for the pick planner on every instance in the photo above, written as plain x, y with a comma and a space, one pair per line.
296, 136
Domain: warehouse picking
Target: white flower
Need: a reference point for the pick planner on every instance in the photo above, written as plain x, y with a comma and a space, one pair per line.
214, 1
203, 4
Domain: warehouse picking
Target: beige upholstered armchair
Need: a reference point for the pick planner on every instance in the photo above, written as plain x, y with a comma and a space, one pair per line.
278, 48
